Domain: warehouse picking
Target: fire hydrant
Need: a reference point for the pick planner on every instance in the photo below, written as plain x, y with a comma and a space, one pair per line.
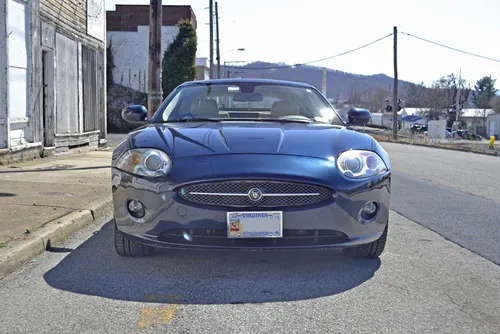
492, 142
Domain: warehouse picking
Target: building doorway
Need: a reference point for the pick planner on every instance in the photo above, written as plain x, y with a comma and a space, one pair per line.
48, 98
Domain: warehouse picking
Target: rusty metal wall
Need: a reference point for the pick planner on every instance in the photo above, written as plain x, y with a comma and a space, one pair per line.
66, 94
90, 92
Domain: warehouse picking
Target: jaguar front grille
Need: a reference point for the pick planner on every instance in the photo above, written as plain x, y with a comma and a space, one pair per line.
254, 193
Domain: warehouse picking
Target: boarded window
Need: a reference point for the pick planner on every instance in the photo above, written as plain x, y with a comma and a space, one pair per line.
90, 91
66, 85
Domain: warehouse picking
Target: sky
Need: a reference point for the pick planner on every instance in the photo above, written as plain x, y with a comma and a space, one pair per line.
294, 32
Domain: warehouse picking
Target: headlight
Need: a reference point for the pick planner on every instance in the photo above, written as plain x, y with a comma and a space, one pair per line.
145, 162
360, 164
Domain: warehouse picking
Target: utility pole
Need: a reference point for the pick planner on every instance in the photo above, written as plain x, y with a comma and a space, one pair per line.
211, 9
395, 100
454, 125
217, 31
458, 94
155, 94
324, 82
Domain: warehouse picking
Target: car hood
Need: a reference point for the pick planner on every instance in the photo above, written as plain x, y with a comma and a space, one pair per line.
198, 139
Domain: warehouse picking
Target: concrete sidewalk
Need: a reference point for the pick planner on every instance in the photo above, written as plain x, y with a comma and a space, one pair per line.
50, 198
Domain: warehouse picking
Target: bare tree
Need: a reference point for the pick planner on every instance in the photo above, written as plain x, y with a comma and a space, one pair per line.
376, 99
436, 103
451, 84
444, 93
414, 95
356, 95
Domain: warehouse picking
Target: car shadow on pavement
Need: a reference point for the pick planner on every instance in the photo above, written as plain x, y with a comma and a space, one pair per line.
206, 277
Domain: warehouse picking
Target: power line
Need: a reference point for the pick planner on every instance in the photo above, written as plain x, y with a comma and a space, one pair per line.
448, 47
311, 62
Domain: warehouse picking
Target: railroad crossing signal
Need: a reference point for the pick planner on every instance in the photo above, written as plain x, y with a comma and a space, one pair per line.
388, 107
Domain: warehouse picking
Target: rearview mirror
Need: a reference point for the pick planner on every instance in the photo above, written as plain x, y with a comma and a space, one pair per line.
135, 114
358, 116
244, 97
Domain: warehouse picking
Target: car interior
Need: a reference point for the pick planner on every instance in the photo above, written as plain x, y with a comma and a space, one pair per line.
237, 102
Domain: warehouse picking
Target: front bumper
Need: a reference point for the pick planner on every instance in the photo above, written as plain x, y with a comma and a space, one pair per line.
332, 224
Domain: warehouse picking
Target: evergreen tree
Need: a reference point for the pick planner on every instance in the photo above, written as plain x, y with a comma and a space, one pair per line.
484, 92
110, 64
179, 60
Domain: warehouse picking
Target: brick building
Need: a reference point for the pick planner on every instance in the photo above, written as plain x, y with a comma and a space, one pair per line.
128, 31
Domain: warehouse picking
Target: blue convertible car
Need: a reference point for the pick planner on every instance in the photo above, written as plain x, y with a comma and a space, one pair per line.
249, 164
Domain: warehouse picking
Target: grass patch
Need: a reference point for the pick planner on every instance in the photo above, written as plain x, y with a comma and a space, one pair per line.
480, 148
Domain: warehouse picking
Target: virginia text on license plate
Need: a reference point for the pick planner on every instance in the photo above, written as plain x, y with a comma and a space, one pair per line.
255, 224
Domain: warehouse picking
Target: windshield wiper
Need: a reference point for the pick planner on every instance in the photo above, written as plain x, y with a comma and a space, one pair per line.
196, 120
284, 120
237, 119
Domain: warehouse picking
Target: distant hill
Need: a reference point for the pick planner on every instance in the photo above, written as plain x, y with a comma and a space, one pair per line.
338, 83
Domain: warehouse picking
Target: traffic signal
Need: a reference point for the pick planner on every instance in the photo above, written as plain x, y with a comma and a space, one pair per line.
388, 108
453, 109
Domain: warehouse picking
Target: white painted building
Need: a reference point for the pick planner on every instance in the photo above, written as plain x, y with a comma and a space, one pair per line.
16, 121
476, 119
385, 119
202, 69
494, 125
52, 75
128, 31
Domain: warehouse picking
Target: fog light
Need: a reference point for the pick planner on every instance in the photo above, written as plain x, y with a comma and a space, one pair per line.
369, 211
136, 209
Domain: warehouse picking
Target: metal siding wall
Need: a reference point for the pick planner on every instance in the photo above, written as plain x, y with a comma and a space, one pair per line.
101, 90
36, 74
66, 85
4, 116
90, 93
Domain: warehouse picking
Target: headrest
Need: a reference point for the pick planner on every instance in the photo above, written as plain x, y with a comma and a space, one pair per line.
204, 108
284, 108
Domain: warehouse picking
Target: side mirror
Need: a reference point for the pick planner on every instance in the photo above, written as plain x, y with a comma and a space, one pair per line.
135, 114
358, 116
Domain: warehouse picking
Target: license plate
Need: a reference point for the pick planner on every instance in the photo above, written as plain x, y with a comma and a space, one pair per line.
255, 224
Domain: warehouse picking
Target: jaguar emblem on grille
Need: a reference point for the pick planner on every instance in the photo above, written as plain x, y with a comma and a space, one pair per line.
255, 194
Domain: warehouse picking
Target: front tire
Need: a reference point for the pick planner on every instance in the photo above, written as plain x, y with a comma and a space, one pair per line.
126, 247
372, 250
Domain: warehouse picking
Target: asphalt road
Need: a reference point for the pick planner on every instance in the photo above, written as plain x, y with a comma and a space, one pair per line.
453, 193
423, 283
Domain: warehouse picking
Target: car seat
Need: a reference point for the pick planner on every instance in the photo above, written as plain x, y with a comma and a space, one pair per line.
284, 108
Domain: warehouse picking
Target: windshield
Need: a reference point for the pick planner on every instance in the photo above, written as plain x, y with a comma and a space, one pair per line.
247, 100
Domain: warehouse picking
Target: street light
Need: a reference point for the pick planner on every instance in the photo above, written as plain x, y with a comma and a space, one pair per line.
240, 49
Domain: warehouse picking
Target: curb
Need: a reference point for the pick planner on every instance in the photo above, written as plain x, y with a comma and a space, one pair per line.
441, 147
18, 252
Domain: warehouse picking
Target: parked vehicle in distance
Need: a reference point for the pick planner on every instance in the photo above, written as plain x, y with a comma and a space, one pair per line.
249, 164
465, 134
418, 128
